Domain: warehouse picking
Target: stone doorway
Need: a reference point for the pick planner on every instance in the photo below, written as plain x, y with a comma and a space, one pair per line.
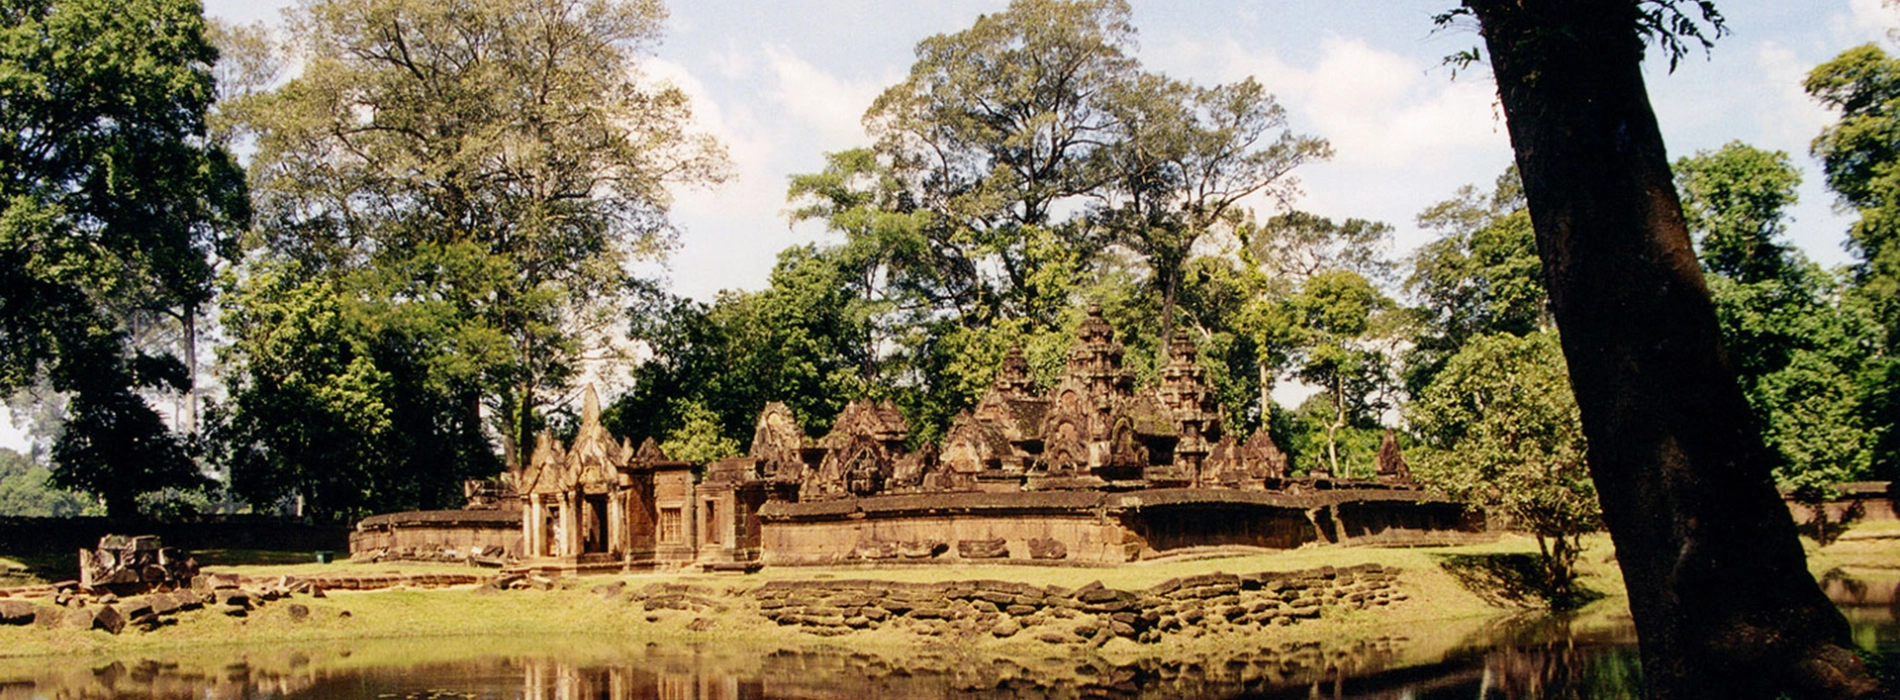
594, 524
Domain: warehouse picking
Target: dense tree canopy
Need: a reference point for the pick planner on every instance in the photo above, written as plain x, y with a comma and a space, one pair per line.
114, 203
500, 162
1804, 344
1480, 275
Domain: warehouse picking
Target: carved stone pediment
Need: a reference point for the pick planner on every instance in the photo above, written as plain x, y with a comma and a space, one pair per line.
778, 443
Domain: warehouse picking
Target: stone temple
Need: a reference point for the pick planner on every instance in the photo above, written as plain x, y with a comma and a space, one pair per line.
1095, 471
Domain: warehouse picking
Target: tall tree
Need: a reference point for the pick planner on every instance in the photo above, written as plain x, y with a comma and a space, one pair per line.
995, 127
507, 149
1718, 583
348, 404
1277, 257
899, 276
1735, 199
801, 341
1802, 343
1181, 158
1479, 276
1335, 320
1861, 157
111, 203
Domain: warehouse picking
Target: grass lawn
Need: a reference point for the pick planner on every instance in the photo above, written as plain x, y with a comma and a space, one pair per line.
1439, 608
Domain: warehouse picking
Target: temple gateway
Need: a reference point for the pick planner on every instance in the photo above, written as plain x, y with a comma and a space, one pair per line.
1095, 471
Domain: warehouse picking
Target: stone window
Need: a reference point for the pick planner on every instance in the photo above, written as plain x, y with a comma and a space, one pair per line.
671, 525
712, 522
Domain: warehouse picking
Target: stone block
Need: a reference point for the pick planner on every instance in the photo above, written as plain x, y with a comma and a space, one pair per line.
1165, 587
298, 612
108, 618
138, 608
16, 612
231, 597
1048, 549
982, 549
1008, 627
163, 603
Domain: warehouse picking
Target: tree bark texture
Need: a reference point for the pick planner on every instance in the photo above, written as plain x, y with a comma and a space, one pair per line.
1718, 584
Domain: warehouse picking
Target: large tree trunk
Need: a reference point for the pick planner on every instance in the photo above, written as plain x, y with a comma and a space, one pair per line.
1719, 587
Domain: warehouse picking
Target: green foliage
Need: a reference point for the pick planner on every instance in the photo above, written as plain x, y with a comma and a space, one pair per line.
26, 491
802, 340
1500, 428
1480, 276
346, 403
1303, 436
1804, 345
112, 204
1860, 155
1735, 200
1181, 157
698, 439
1336, 321
992, 130
498, 161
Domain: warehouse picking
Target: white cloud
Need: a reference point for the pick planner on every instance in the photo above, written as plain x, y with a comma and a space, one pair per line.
776, 120
1792, 117
824, 102
1405, 133
1379, 108
1866, 17
721, 226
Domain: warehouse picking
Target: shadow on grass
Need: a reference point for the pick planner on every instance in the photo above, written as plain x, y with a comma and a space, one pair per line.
40, 568
253, 557
1513, 580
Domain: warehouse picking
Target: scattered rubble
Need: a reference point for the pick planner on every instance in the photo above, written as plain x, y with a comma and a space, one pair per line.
1092, 614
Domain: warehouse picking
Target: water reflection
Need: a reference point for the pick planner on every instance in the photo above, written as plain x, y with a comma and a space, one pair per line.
1522, 660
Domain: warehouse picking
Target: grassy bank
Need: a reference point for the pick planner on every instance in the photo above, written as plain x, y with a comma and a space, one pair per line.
572, 610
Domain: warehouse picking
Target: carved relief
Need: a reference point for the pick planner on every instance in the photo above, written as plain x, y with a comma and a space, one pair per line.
778, 443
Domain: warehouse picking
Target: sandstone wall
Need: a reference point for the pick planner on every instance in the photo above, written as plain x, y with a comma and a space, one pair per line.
1193, 606
1861, 501
438, 535
1080, 538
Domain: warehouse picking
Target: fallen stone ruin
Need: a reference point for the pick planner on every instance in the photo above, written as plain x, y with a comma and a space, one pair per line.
70, 605
1192, 606
130, 564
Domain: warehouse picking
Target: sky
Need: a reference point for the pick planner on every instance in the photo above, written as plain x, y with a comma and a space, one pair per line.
782, 82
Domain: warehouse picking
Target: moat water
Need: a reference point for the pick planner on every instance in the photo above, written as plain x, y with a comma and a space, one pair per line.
1540, 657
